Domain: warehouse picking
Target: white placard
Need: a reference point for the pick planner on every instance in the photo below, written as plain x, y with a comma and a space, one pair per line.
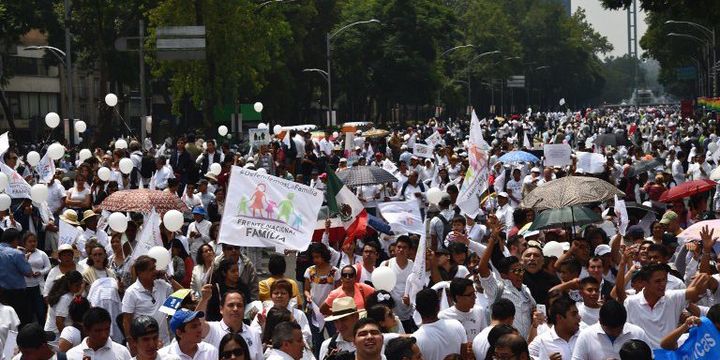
434, 139
422, 150
557, 154
67, 233
258, 137
591, 163
266, 211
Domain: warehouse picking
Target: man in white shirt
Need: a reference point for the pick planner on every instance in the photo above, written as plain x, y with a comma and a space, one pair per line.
441, 225
98, 345
678, 172
90, 220
657, 310
198, 232
163, 172
437, 338
504, 212
514, 188
561, 337
344, 316
402, 266
502, 312
604, 339
470, 315
186, 325
287, 341
368, 340
232, 310
146, 295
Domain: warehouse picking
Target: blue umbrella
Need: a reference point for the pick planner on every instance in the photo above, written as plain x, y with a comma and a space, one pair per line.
378, 224
518, 156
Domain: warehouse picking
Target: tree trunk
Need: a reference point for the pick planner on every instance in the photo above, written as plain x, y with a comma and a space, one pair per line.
6, 105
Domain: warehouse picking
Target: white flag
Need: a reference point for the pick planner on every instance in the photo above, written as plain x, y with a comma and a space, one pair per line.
526, 141
67, 233
403, 216
17, 187
622, 215
148, 237
4, 143
476, 177
46, 169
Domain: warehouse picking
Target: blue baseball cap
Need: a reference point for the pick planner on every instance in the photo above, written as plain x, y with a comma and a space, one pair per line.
182, 317
199, 210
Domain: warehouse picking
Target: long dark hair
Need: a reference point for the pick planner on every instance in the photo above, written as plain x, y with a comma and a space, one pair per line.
176, 243
62, 286
275, 316
199, 257
237, 339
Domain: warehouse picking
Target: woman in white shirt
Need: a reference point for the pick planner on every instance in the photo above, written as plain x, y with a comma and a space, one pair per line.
40, 264
59, 299
72, 335
203, 264
79, 197
98, 266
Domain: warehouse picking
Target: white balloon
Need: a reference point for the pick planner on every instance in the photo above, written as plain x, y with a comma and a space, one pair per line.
56, 151
3, 181
104, 173
434, 195
215, 169
173, 220
261, 171
111, 99
161, 256
52, 120
262, 126
5, 201
222, 130
335, 134
121, 144
384, 279
84, 154
33, 158
39, 193
80, 126
118, 222
126, 166
258, 106
277, 129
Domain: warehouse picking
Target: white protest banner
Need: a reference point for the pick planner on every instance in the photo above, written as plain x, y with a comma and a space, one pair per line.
403, 216
46, 169
557, 154
67, 234
476, 177
266, 211
423, 150
4, 143
389, 166
17, 187
433, 139
622, 215
258, 137
148, 237
590, 162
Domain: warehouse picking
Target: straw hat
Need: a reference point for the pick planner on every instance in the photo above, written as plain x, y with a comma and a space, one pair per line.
342, 307
88, 214
70, 216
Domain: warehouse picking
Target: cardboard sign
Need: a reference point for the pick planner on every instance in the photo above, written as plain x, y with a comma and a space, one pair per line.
259, 137
557, 154
422, 150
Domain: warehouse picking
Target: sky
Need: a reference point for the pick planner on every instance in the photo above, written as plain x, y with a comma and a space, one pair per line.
612, 24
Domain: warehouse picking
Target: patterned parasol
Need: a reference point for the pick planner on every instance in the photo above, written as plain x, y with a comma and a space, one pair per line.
569, 191
142, 201
365, 175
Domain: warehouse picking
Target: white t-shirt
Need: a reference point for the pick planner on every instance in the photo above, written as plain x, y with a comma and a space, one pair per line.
659, 320
403, 311
473, 321
514, 188
139, 301
60, 309
594, 344
8, 321
76, 195
588, 315
440, 339
480, 344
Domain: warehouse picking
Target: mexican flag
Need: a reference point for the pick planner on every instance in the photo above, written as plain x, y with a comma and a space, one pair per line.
343, 203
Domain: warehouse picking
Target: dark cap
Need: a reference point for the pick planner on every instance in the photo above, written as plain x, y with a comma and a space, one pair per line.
32, 336
398, 347
143, 325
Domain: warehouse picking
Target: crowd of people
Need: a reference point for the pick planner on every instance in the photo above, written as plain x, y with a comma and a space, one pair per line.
610, 289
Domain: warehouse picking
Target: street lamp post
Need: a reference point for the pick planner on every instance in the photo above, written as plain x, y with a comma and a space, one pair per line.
470, 107
328, 39
709, 33
543, 67
468, 82
706, 54
64, 59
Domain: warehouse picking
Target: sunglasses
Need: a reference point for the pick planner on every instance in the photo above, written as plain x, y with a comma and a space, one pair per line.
348, 275
238, 352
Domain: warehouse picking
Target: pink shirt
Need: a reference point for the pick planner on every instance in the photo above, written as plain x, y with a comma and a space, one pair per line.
361, 291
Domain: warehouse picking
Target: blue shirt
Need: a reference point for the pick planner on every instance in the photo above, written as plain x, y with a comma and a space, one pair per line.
13, 268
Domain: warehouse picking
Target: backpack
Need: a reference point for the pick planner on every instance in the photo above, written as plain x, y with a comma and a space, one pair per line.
147, 166
447, 228
334, 354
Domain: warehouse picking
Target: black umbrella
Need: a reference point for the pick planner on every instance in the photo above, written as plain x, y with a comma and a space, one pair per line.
611, 140
642, 166
565, 217
635, 210
365, 175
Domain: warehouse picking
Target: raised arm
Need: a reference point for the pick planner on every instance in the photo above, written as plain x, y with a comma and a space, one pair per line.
669, 342
484, 265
